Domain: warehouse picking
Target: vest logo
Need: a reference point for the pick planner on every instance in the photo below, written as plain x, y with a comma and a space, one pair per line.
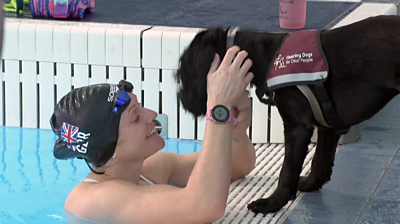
279, 62
282, 62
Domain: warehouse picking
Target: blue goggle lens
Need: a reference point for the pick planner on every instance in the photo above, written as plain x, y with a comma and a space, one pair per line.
123, 97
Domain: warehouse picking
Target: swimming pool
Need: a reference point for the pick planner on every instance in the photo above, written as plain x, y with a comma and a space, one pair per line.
34, 185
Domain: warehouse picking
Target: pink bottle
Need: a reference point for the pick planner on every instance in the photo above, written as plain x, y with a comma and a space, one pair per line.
292, 14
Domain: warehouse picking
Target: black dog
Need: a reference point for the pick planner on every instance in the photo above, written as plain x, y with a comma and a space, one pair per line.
364, 75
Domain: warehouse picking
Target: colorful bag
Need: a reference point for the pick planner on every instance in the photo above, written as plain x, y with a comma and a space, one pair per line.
60, 9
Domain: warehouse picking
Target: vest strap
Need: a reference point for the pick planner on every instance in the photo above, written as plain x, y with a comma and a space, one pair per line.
329, 111
316, 109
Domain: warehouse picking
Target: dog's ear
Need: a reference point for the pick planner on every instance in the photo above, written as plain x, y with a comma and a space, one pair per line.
193, 68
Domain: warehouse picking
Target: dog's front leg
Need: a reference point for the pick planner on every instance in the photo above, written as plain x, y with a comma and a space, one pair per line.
297, 139
322, 163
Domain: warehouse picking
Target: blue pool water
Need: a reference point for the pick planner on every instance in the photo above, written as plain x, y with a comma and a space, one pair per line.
34, 185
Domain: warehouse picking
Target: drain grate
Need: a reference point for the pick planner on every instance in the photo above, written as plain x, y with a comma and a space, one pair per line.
161, 124
260, 183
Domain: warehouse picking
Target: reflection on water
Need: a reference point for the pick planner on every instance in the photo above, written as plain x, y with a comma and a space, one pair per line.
34, 185
73, 219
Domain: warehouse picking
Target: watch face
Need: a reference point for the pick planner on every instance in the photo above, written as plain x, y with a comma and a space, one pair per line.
220, 113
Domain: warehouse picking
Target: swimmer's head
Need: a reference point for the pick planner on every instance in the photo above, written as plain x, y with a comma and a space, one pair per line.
86, 121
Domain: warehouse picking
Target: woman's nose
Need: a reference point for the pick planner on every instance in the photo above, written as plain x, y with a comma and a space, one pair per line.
151, 115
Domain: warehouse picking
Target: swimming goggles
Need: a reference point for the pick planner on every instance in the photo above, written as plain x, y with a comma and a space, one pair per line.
122, 98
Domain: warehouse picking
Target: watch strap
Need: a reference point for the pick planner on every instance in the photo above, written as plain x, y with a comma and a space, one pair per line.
231, 119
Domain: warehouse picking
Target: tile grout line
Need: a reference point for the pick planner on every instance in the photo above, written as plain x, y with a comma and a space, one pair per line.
283, 218
300, 195
376, 188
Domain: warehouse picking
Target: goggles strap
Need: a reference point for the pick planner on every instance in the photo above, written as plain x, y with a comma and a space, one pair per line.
91, 169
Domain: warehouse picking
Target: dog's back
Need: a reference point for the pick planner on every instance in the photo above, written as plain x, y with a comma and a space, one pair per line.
364, 63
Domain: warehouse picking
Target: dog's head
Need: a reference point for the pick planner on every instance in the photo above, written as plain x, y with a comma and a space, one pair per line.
196, 60
194, 65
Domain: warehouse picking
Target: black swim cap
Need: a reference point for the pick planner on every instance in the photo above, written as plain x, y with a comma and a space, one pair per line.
86, 121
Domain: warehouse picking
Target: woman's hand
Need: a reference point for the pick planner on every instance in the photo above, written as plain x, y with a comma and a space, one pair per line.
227, 82
243, 152
242, 111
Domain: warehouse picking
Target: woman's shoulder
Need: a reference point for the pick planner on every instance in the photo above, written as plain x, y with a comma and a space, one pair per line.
89, 187
92, 201
158, 167
117, 200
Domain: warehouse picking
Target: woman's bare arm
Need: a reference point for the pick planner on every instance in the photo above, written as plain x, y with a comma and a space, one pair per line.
166, 167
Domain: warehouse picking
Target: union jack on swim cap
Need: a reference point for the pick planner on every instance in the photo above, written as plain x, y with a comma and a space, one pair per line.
86, 121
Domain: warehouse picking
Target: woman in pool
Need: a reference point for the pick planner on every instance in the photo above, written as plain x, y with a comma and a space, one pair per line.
131, 181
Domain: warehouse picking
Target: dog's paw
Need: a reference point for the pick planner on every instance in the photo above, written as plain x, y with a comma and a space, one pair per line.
264, 206
309, 184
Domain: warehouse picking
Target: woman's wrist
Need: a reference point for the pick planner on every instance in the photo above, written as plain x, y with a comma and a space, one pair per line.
237, 140
213, 102
237, 135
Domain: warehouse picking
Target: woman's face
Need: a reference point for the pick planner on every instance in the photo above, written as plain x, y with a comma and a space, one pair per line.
137, 131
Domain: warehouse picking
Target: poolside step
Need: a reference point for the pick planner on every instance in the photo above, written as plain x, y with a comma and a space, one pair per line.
260, 183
